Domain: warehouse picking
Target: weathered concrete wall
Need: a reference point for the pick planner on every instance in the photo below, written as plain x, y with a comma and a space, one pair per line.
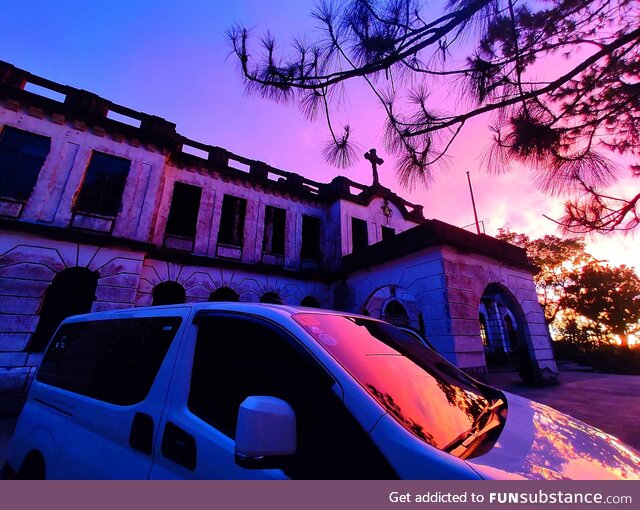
467, 277
374, 215
214, 187
420, 279
447, 286
61, 176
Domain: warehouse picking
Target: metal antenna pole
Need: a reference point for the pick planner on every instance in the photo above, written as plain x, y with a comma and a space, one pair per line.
473, 203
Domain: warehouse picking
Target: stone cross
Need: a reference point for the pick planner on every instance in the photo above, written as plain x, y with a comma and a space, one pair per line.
373, 158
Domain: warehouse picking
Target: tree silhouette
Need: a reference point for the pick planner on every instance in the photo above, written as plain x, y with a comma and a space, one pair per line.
609, 297
557, 260
561, 126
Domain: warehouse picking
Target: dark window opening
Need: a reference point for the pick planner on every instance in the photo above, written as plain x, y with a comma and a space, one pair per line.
271, 297
115, 361
311, 302
388, 233
236, 358
22, 155
103, 185
231, 231
224, 294
359, 234
274, 230
168, 293
395, 313
183, 214
310, 238
72, 292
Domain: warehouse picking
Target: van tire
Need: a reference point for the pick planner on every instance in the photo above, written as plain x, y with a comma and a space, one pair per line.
32, 468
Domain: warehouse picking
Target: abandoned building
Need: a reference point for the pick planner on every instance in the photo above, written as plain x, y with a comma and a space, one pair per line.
104, 207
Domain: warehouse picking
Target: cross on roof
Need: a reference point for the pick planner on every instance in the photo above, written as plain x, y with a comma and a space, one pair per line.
373, 158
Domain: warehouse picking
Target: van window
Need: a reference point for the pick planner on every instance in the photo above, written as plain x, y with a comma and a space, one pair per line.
237, 357
115, 361
428, 396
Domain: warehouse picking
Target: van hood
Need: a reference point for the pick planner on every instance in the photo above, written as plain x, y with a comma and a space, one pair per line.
538, 442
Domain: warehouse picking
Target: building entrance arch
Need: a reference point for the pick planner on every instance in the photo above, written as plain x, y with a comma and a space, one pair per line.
504, 332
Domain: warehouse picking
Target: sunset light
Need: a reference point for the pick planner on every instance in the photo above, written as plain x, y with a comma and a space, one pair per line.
321, 240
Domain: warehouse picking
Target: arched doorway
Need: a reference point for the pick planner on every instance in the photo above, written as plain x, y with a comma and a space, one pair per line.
168, 293
395, 313
504, 332
271, 297
224, 294
311, 302
71, 292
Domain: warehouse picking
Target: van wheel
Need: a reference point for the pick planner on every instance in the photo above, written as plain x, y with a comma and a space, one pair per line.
32, 468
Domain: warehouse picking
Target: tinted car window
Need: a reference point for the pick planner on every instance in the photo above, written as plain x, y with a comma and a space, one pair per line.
239, 357
427, 395
114, 361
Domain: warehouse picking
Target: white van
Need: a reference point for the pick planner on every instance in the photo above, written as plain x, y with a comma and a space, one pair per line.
243, 391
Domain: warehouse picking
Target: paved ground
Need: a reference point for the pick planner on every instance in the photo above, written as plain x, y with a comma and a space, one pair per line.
609, 402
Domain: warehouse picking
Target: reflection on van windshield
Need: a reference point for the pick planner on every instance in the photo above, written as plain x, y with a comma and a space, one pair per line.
431, 398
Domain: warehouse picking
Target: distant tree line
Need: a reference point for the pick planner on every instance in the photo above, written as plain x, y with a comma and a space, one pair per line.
588, 304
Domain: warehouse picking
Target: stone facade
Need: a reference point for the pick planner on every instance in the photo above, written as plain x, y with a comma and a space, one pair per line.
254, 231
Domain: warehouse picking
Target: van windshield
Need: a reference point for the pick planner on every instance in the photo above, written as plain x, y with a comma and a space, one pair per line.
430, 397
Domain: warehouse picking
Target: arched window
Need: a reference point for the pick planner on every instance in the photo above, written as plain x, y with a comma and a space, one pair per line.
395, 313
224, 294
168, 293
311, 302
271, 297
71, 292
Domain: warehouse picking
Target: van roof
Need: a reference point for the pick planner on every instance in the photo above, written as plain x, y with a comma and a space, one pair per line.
257, 308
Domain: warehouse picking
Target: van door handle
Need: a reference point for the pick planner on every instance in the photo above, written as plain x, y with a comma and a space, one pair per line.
179, 446
141, 435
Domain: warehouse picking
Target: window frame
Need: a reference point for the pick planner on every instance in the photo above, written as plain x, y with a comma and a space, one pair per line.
376, 464
275, 327
86, 197
387, 233
175, 223
232, 234
177, 320
316, 241
359, 244
274, 239
16, 167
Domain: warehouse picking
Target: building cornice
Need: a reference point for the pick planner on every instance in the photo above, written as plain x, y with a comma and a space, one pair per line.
435, 233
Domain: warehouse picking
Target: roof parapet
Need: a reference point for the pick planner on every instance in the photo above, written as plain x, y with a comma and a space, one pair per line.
93, 109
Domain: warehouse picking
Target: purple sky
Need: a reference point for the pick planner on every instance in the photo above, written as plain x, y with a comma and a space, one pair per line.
171, 59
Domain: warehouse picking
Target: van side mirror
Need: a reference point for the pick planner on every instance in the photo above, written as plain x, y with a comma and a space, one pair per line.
265, 433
